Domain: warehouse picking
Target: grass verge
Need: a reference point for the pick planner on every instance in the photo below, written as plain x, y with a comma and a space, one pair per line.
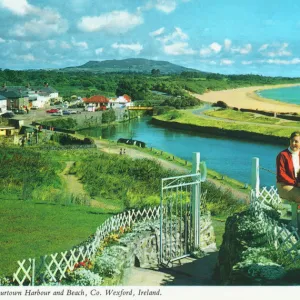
31, 229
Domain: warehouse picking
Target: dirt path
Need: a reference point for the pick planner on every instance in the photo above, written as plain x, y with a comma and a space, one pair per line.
75, 188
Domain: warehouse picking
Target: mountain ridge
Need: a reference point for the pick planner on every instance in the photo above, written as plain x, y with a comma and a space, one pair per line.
131, 65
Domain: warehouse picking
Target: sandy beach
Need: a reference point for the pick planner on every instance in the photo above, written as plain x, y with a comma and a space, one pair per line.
247, 98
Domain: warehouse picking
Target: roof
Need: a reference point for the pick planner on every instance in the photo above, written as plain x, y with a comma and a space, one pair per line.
2, 97
128, 99
96, 99
12, 94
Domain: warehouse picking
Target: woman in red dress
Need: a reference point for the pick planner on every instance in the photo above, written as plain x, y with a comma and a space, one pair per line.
288, 166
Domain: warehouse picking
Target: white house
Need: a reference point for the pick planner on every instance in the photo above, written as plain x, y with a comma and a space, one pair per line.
40, 96
120, 102
3, 105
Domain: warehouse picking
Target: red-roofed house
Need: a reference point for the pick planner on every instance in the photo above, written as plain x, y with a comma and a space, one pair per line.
121, 101
95, 102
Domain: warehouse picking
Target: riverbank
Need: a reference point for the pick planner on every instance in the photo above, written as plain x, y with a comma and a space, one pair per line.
172, 162
247, 98
185, 120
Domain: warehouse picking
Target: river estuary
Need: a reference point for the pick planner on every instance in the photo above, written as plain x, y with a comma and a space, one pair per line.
230, 157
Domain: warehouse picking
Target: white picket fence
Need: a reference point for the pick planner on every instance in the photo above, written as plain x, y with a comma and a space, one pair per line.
53, 267
280, 235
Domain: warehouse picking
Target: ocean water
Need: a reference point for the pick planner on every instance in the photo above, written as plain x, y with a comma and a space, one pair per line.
287, 94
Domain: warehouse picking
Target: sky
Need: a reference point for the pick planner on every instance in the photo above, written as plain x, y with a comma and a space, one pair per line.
228, 37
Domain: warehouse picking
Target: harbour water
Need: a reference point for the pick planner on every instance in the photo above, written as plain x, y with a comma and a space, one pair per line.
287, 94
230, 157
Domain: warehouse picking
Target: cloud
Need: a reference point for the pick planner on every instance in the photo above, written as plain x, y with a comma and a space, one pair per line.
114, 22
180, 48
247, 48
227, 44
17, 7
242, 50
82, 45
294, 61
48, 22
263, 47
137, 48
65, 45
2, 40
157, 32
226, 62
275, 49
247, 62
26, 57
212, 48
99, 51
176, 35
166, 6
215, 47
174, 43
51, 43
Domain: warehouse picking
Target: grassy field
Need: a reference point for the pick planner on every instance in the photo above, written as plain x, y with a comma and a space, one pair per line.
186, 117
249, 117
31, 229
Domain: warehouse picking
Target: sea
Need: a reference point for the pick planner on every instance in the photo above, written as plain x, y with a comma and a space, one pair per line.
287, 94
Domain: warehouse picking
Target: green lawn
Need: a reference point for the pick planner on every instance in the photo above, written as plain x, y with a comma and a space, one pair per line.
30, 229
249, 117
186, 117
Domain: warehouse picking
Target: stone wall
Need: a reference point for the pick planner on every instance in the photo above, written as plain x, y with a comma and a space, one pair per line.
141, 247
248, 255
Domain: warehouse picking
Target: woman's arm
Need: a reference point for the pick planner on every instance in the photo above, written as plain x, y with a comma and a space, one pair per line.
282, 171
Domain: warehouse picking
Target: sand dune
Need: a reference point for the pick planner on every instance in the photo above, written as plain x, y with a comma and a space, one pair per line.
247, 98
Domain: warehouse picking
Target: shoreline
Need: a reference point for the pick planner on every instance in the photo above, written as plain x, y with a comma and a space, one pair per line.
247, 98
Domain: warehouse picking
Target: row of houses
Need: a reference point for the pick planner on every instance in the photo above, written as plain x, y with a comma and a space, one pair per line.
99, 102
17, 97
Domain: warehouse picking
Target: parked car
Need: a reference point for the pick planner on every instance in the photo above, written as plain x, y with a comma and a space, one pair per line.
72, 112
66, 112
8, 115
52, 110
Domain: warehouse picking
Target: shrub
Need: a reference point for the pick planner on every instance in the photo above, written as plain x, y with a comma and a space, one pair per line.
106, 265
220, 104
84, 277
88, 141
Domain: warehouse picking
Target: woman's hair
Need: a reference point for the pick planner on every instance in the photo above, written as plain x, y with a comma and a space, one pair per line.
295, 133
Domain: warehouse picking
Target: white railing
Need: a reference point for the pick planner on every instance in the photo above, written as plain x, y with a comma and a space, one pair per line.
53, 267
279, 235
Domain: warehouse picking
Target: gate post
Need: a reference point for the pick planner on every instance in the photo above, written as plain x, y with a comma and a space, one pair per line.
255, 175
196, 202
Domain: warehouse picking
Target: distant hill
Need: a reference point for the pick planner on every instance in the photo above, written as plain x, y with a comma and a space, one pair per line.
139, 65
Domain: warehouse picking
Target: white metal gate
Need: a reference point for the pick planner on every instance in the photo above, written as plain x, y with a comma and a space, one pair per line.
180, 213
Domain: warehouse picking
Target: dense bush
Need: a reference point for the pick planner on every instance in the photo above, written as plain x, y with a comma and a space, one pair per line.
65, 123
108, 116
135, 182
181, 102
160, 110
23, 171
221, 104
66, 139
